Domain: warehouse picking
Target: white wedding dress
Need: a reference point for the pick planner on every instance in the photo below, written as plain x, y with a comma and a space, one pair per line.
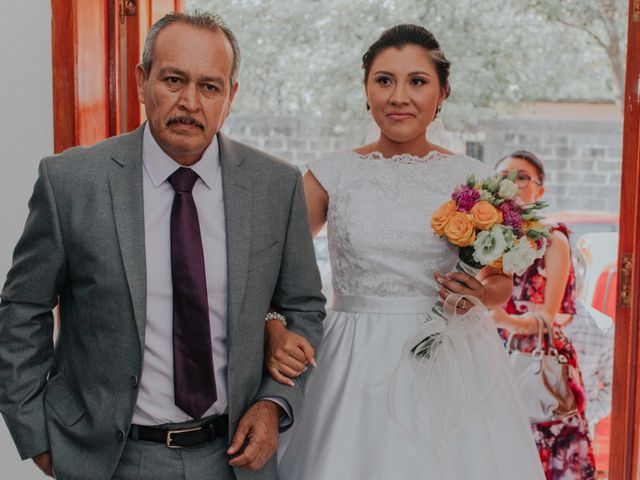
383, 257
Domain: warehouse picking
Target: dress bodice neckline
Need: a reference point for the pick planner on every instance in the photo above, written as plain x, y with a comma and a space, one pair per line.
404, 158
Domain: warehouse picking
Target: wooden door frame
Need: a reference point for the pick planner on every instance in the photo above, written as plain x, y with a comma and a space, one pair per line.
120, 93
625, 419
80, 64
64, 75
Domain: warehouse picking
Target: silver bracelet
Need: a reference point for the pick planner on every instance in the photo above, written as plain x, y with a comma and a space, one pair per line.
276, 316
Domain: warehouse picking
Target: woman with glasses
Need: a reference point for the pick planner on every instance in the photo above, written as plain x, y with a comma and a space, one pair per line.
547, 287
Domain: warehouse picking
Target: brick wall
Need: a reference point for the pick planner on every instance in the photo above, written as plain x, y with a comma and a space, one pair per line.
298, 139
582, 158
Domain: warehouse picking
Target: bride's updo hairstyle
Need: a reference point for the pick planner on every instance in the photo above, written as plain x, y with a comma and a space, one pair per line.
404, 34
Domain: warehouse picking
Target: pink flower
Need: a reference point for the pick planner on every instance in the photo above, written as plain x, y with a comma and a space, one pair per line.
465, 198
511, 214
507, 206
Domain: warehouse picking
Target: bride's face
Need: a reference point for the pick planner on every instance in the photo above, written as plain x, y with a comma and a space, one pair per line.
403, 92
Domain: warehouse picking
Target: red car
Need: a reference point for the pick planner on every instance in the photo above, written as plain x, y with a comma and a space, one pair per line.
580, 222
594, 240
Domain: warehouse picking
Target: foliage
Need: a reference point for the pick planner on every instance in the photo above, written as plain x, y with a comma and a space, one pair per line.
304, 55
600, 23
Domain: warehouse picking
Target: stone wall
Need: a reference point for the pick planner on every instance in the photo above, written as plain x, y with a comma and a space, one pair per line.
582, 158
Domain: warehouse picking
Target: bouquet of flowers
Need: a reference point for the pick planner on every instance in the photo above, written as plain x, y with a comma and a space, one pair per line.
491, 226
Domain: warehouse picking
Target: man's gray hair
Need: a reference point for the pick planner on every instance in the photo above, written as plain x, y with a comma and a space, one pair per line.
199, 19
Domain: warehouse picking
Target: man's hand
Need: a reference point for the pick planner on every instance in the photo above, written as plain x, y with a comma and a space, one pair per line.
259, 426
44, 463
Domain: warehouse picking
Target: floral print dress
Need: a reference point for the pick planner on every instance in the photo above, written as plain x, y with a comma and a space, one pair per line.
564, 445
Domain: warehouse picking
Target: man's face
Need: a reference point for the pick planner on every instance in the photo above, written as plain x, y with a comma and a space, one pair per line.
188, 92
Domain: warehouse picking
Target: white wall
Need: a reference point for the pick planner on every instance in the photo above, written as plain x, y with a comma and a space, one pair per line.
26, 135
26, 122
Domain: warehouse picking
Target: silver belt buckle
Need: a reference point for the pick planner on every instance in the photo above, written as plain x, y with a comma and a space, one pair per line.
170, 434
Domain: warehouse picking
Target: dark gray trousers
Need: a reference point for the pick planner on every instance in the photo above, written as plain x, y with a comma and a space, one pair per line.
154, 461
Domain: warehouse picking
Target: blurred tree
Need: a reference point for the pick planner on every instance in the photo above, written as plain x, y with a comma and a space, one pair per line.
600, 22
304, 55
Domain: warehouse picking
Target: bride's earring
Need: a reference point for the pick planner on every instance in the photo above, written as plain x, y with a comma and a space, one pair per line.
438, 110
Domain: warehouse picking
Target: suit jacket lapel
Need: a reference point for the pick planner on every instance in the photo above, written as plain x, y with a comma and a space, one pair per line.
236, 186
125, 182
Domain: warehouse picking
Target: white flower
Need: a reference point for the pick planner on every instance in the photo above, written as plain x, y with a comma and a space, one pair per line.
509, 236
486, 196
492, 183
489, 245
519, 258
508, 189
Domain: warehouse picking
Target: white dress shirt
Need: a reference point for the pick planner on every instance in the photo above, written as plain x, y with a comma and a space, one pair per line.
592, 333
155, 404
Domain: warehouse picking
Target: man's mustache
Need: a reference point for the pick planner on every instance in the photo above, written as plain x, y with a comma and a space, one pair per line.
185, 120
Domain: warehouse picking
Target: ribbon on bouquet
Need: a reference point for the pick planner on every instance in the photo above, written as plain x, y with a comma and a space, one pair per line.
450, 384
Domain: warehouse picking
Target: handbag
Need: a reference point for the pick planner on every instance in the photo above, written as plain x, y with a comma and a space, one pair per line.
543, 376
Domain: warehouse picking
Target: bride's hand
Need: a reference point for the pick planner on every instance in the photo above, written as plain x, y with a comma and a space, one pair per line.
287, 354
462, 284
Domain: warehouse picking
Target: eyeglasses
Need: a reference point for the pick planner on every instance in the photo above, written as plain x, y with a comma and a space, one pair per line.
522, 179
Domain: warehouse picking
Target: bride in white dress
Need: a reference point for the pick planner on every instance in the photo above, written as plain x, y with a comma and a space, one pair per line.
378, 201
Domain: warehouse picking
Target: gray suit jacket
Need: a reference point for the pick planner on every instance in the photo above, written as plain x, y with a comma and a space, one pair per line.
83, 244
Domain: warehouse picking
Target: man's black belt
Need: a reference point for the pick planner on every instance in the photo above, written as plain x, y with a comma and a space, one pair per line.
182, 437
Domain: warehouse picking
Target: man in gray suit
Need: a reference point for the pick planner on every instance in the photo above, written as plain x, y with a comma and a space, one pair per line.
165, 249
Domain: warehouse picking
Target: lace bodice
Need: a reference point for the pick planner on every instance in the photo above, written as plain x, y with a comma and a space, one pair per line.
379, 220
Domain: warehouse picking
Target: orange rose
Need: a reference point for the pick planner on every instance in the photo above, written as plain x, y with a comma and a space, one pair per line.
485, 215
460, 229
497, 264
442, 216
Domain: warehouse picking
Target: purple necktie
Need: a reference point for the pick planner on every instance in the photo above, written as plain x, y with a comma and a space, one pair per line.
194, 379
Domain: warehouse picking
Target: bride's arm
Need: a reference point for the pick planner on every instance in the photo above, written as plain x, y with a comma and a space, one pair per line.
317, 202
287, 354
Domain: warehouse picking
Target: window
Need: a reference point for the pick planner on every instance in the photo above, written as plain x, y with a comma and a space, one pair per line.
475, 150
